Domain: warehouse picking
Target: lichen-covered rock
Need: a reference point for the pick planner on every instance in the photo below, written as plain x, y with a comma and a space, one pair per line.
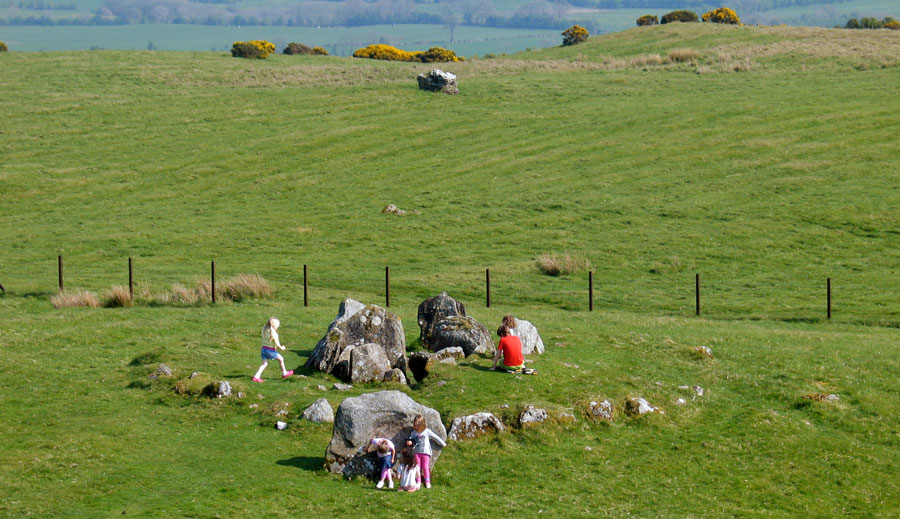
638, 407
475, 425
601, 410
454, 352
461, 332
319, 412
341, 387
438, 81
386, 414
354, 326
531, 416
420, 364
528, 334
368, 363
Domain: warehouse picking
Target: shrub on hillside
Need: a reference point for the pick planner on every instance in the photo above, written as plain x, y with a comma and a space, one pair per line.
894, 26
256, 49
679, 16
3, 47
299, 48
722, 15
439, 55
574, 34
389, 53
647, 19
869, 22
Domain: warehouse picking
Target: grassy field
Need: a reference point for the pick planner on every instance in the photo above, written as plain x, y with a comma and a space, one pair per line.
762, 158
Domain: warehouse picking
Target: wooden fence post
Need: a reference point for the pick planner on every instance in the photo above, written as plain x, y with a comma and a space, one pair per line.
130, 279
61, 286
305, 287
2, 289
697, 291
213, 280
591, 290
387, 286
487, 283
828, 284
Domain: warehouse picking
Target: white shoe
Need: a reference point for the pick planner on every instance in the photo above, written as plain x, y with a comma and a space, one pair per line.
391, 484
380, 484
427, 485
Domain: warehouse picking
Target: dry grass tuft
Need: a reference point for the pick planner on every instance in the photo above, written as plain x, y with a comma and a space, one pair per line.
247, 286
117, 296
683, 55
71, 299
181, 294
650, 60
556, 265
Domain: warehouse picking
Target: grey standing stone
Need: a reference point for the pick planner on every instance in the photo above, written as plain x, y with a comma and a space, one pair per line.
368, 363
354, 326
386, 414
528, 334
461, 332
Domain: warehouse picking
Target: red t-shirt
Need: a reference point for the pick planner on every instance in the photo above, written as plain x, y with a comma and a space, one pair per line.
511, 348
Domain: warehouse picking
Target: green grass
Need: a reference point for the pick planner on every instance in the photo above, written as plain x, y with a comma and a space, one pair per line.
765, 181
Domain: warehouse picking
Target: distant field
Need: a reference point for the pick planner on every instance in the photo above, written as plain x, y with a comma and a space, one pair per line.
338, 40
830, 14
762, 158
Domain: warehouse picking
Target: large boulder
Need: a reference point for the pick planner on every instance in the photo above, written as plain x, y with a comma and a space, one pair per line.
357, 325
386, 414
528, 334
461, 332
438, 81
435, 309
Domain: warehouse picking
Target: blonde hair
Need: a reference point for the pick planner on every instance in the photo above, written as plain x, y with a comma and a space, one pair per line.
272, 324
383, 447
419, 423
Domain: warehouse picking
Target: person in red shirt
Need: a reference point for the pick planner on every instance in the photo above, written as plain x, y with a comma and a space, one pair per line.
511, 349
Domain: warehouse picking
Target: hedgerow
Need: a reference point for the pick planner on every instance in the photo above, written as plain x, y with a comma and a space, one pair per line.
647, 19
3, 47
679, 16
389, 53
722, 15
574, 34
258, 49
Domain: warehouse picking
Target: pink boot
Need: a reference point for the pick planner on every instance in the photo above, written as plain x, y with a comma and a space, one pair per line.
286, 375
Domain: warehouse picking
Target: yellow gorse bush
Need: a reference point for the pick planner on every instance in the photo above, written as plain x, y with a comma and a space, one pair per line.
722, 15
252, 49
3, 47
574, 34
389, 53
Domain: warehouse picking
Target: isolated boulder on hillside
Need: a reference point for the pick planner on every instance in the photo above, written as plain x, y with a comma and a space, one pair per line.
474, 425
357, 325
438, 81
386, 414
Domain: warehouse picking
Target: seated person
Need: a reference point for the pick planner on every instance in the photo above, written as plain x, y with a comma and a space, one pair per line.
511, 348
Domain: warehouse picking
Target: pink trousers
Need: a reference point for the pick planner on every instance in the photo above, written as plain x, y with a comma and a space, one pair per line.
424, 462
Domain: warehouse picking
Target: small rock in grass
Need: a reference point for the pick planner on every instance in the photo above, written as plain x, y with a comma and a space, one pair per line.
680, 401
253, 406
341, 387
699, 390
280, 425
532, 415
320, 387
319, 412
638, 407
441, 383
449, 361
472, 426
601, 410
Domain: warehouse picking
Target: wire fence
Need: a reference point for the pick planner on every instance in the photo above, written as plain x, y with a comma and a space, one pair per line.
770, 298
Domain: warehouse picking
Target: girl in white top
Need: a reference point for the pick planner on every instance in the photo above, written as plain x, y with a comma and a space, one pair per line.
269, 343
420, 439
410, 478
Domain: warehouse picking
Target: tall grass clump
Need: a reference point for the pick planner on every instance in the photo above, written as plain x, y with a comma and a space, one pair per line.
683, 55
561, 265
181, 294
71, 299
247, 286
118, 296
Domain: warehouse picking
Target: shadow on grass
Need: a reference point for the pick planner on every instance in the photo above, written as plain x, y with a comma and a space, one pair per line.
308, 463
